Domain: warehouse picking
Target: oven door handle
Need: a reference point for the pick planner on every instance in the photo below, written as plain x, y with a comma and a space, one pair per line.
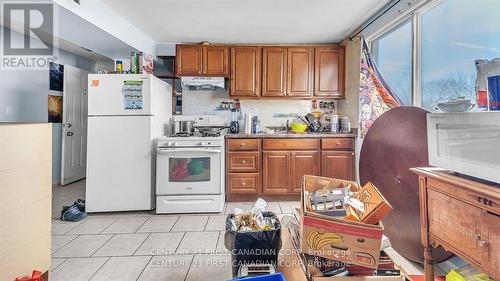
168, 151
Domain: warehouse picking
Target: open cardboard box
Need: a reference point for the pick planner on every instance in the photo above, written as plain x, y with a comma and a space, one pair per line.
293, 268
337, 238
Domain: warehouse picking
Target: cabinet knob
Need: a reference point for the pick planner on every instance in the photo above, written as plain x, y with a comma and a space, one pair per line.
243, 161
243, 183
242, 144
483, 243
338, 143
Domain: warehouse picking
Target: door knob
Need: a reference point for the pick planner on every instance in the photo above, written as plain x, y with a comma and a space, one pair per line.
68, 125
483, 243
69, 134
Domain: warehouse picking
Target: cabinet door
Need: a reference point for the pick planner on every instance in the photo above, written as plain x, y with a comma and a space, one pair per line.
490, 234
188, 60
300, 72
338, 164
275, 168
274, 71
246, 183
456, 222
245, 72
302, 163
329, 72
216, 60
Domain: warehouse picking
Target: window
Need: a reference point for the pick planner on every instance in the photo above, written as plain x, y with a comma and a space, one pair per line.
393, 54
455, 33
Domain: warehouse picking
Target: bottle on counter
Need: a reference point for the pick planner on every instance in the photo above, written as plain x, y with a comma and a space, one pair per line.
134, 63
119, 66
255, 125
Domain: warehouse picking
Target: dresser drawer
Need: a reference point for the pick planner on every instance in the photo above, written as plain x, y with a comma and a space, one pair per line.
290, 144
247, 183
243, 144
243, 161
337, 143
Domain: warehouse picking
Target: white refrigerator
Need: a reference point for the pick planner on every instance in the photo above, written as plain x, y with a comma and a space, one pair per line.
126, 114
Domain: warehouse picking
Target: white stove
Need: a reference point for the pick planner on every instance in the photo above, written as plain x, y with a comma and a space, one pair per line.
190, 173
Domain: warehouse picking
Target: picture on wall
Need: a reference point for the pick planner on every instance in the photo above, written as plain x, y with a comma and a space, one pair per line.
56, 75
55, 109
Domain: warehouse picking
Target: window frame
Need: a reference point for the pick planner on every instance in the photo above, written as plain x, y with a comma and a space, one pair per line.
415, 16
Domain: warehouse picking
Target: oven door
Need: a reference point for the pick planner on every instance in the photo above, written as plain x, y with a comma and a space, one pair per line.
181, 171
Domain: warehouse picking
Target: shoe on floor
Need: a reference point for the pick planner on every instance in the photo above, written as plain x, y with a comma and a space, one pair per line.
72, 213
80, 203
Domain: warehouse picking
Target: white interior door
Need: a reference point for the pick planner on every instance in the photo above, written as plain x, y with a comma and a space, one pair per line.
74, 126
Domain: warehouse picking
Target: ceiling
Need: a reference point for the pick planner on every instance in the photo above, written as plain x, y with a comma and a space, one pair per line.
247, 21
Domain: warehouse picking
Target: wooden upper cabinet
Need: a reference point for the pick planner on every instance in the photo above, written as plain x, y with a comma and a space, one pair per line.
188, 60
329, 72
275, 172
274, 71
300, 72
338, 164
215, 60
303, 163
245, 71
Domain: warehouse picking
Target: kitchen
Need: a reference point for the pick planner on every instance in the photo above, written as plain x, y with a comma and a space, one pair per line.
173, 138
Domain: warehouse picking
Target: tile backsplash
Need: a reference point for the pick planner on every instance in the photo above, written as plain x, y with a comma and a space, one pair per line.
205, 102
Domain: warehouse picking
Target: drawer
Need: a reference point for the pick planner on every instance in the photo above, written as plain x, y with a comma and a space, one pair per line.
475, 198
290, 144
243, 144
243, 161
337, 143
248, 183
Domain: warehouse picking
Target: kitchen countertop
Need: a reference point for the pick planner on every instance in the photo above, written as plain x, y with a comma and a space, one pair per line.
280, 135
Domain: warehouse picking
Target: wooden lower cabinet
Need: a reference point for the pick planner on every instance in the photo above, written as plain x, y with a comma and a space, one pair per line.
338, 164
461, 215
275, 172
246, 183
490, 229
303, 163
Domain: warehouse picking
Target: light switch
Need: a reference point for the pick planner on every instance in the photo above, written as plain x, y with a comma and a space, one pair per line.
9, 110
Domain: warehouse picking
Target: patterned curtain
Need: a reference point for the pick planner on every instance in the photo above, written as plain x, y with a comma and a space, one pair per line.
375, 96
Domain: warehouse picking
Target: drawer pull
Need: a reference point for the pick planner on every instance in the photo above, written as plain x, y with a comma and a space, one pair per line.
243, 161
483, 243
242, 144
338, 143
243, 183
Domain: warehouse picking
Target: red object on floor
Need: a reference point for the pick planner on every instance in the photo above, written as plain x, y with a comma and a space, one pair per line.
35, 276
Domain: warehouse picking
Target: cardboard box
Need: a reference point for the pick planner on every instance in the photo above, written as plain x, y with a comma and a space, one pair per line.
293, 268
337, 238
375, 205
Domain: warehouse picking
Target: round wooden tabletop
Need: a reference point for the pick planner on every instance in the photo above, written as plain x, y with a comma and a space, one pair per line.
396, 142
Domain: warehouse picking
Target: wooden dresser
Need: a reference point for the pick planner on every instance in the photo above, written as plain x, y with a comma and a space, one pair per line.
463, 216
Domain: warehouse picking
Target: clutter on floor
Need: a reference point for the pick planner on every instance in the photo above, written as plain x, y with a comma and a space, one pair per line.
75, 212
254, 240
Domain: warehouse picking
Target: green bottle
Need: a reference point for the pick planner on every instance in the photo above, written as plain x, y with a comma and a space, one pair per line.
135, 63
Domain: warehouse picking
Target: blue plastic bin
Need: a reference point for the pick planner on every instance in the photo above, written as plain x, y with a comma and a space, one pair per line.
494, 92
268, 277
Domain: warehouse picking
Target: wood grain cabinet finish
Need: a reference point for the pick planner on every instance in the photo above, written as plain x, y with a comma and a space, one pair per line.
449, 218
215, 60
290, 144
274, 71
188, 60
300, 72
329, 72
338, 164
243, 161
303, 163
337, 143
275, 172
243, 144
245, 72
243, 183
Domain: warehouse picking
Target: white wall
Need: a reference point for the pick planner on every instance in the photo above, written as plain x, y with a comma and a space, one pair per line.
23, 98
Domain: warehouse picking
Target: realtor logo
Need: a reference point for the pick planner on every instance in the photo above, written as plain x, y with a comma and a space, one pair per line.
28, 35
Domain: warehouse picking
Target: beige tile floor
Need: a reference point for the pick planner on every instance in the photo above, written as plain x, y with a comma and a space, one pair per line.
144, 246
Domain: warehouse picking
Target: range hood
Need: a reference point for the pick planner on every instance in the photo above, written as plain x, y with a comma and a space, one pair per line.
203, 83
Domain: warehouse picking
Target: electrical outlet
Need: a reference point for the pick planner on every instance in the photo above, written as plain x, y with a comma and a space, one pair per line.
9, 110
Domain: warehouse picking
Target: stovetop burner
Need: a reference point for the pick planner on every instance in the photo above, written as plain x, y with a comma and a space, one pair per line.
183, 135
211, 134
